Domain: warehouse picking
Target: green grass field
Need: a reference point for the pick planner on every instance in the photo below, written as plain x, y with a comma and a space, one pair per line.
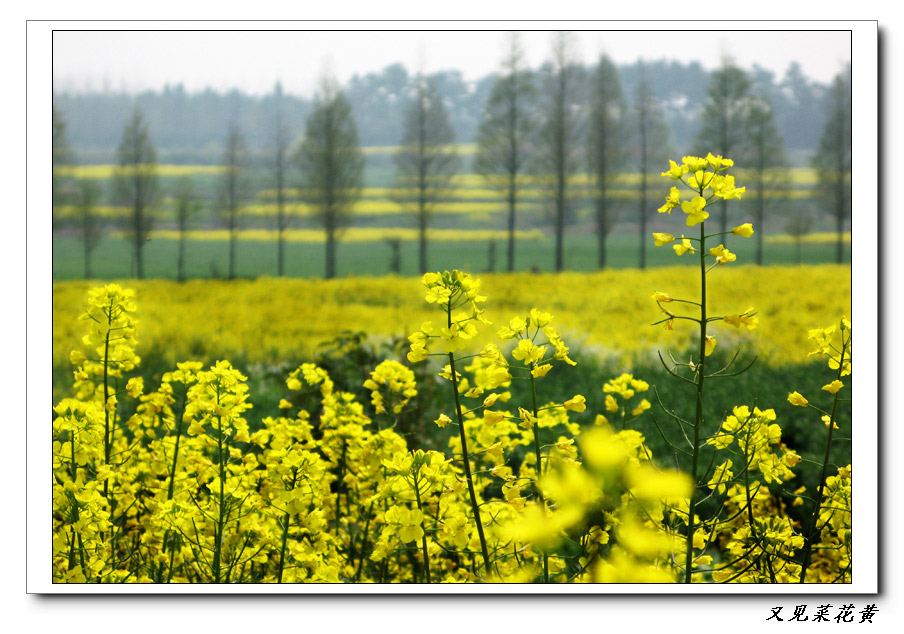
112, 259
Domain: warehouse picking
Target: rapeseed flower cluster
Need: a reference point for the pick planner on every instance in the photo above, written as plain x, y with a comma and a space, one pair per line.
392, 385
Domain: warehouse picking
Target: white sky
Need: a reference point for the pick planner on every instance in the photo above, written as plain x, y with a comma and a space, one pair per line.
254, 61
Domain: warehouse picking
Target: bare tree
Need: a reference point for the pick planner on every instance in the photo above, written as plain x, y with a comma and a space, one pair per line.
765, 162
652, 141
62, 161
88, 225
833, 159
798, 226
187, 205
503, 135
724, 120
332, 165
135, 184
607, 151
426, 160
233, 189
280, 165
395, 258
559, 135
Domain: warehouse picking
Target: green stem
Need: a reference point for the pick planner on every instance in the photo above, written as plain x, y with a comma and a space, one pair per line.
364, 542
536, 430
808, 545
81, 557
175, 538
72, 451
750, 517
285, 536
172, 478
698, 419
171, 544
417, 497
71, 563
221, 515
108, 424
475, 509
339, 486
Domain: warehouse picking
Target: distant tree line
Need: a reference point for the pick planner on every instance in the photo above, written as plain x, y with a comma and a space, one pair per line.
546, 126
188, 127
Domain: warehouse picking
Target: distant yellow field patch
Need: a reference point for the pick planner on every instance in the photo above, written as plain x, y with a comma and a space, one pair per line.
106, 171
353, 234
384, 207
810, 238
483, 192
608, 314
105, 211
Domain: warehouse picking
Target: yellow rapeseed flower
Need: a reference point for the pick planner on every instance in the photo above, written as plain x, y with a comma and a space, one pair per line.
576, 404
659, 296
684, 247
695, 211
660, 239
745, 230
722, 255
442, 421
694, 163
675, 171
671, 201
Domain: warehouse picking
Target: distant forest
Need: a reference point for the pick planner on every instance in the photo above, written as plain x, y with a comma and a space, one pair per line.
190, 128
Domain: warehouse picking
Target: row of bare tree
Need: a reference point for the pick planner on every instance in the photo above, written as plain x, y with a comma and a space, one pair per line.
547, 126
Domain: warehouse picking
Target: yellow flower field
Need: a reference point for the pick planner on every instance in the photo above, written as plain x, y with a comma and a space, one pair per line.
353, 234
380, 207
604, 313
101, 172
810, 238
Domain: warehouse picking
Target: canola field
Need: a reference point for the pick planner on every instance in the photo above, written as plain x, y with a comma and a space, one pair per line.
471, 451
607, 313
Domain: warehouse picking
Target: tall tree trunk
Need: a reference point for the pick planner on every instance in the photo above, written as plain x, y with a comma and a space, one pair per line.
839, 217
280, 254
760, 213
601, 230
643, 220
561, 201
330, 253
643, 188
560, 242
139, 259
422, 237
232, 239
180, 265
139, 244
280, 222
511, 223
839, 227
602, 210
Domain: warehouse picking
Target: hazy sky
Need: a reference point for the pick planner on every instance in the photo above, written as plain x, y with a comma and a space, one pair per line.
254, 61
